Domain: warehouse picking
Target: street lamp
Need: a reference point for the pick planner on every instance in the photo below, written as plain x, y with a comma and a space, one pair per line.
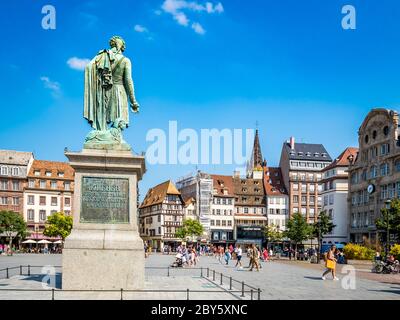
387, 202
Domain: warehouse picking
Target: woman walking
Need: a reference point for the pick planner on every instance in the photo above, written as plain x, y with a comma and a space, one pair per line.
239, 257
331, 263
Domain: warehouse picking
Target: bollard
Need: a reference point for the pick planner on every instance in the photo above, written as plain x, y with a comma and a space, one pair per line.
251, 294
201, 272
29, 270
168, 271
7, 273
52, 294
187, 294
213, 275
242, 289
221, 279
20, 270
258, 294
230, 283
122, 291
208, 272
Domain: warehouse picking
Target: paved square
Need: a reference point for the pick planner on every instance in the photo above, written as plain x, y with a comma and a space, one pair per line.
277, 280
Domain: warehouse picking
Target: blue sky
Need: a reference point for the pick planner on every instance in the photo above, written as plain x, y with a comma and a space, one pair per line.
288, 64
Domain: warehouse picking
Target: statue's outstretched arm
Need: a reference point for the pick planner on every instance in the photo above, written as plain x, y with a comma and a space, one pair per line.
129, 87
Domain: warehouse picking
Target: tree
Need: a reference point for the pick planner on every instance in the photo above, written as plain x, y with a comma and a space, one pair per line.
58, 225
12, 225
320, 228
273, 233
189, 228
390, 220
297, 229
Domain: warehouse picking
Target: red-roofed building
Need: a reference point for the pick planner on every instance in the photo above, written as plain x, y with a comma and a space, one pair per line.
335, 186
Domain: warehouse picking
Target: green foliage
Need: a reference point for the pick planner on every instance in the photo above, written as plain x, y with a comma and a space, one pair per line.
322, 226
395, 250
58, 224
297, 229
273, 233
358, 252
190, 228
12, 223
390, 218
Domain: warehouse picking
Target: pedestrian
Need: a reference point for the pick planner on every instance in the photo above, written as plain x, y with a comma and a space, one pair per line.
265, 255
330, 263
227, 256
255, 258
290, 253
239, 257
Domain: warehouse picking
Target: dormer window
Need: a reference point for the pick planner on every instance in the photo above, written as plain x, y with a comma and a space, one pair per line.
48, 173
37, 173
316, 154
324, 155
308, 154
61, 174
300, 154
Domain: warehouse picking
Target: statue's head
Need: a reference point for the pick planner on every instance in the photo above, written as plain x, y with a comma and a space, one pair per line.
118, 43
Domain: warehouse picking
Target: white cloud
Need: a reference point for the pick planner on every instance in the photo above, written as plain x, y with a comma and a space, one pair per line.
77, 63
198, 28
53, 86
181, 18
139, 28
177, 7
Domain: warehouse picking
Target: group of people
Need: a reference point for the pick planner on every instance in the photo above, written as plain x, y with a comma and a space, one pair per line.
255, 255
188, 256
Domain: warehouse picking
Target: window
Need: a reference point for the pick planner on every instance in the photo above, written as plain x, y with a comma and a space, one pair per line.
384, 192
31, 215
42, 200
42, 215
4, 184
15, 185
31, 200
159, 230
217, 223
53, 184
246, 210
53, 212
15, 201
31, 183
295, 186
15, 171
48, 173
384, 169
385, 149
303, 199
373, 172
254, 210
67, 185
312, 187
311, 212
4, 171
212, 222
54, 201
36, 172
224, 223
3, 200
325, 200
42, 184
67, 203
219, 212
374, 134
229, 223
331, 199
61, 174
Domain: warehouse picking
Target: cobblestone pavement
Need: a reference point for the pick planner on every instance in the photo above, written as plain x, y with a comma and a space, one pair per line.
277, 279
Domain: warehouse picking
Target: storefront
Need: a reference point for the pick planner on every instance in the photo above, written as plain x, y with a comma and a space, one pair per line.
247, 235
222, 237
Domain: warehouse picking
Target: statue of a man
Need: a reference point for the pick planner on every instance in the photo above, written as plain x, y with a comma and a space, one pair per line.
108, 86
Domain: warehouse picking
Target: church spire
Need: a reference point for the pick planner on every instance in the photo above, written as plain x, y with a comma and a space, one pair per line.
256, 157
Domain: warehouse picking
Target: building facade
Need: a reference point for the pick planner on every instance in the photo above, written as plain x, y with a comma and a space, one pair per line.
250, 206
334, 196
200, 187
160, 215
49, 190
301, 165
374, 173
277, 199
14, 168
222, 210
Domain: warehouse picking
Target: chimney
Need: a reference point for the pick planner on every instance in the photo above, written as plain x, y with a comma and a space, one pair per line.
292, 143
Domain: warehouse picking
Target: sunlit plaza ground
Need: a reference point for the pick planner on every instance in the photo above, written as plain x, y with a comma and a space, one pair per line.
277, 280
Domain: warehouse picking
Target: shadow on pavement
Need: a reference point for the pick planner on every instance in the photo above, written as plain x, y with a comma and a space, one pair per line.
39, 278
313, 278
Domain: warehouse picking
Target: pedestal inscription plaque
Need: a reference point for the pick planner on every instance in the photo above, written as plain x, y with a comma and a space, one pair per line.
104, 200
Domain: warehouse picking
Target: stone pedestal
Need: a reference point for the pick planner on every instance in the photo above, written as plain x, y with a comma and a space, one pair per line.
104, 249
